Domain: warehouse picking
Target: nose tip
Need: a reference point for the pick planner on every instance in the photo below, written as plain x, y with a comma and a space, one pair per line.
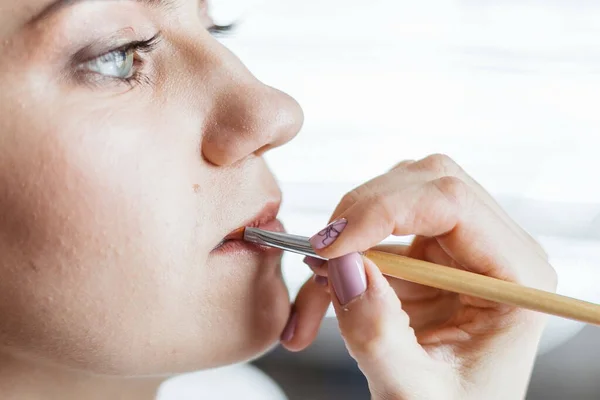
250, 119
287, 120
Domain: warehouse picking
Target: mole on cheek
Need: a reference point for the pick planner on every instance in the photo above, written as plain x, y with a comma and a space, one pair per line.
196, 188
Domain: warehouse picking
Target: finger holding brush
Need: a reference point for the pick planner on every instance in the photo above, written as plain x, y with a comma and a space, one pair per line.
418, 342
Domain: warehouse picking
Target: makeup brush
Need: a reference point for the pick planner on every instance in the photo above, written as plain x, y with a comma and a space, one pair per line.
442, 277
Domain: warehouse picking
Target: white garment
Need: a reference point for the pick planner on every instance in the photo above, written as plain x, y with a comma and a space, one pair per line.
241, 381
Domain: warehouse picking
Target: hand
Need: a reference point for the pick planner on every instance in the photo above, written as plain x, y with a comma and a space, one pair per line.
416, 342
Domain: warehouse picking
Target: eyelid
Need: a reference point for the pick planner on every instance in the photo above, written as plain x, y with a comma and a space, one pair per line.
141, 46
112, 44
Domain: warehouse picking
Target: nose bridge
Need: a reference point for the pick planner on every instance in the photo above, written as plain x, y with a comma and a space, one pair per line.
247, 117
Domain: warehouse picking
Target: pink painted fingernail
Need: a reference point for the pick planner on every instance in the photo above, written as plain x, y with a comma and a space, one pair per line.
328, 235
313, 262
348, 277
321, 280
290, 328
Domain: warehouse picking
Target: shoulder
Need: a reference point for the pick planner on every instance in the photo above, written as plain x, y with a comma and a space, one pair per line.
242, 381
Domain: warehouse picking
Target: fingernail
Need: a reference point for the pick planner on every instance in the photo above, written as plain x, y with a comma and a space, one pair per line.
328, 235
348, 277
290, 328
313, 262
321, 280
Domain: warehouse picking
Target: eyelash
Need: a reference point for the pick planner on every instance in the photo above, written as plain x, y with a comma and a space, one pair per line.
137, 47
221, 30
149, 45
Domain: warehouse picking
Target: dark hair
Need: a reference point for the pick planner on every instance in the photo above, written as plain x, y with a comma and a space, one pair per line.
219, 30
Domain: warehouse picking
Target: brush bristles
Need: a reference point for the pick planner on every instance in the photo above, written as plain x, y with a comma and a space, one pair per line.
238, 234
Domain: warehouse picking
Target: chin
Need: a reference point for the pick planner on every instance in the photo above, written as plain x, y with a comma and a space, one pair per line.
244, 321
231, 344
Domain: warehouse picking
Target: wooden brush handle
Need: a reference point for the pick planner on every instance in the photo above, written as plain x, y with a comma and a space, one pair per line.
472, 284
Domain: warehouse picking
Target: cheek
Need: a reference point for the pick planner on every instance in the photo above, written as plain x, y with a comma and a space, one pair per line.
98, 250
105, 246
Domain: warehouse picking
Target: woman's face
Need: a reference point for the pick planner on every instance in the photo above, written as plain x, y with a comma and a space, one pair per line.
130, 146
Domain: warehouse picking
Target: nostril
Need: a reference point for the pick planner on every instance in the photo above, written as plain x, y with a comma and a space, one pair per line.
263, 150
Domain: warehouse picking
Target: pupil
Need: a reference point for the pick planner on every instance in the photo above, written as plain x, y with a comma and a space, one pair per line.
120, 59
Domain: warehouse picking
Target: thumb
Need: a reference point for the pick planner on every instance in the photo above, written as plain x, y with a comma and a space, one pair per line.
377, 332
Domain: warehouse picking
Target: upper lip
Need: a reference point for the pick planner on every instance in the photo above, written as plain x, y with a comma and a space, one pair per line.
268, 213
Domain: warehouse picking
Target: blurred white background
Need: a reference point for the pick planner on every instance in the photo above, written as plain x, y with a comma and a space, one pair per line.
510, 89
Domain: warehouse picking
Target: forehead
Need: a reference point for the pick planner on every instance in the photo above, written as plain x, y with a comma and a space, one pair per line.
15, 13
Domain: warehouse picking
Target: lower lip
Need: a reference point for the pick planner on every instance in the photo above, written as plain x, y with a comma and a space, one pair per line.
237, 246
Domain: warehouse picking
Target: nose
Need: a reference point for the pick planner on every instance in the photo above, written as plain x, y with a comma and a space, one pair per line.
247, 117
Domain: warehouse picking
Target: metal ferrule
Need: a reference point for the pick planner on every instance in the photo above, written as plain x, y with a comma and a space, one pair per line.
284, 241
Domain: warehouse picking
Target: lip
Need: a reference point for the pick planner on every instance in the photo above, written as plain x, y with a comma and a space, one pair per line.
267, 215
266, 219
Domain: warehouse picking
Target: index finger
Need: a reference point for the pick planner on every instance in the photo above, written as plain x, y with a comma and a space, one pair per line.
444, 208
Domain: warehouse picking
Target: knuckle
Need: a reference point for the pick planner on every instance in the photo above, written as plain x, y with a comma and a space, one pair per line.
358, 193
349, 199
378, 204
384, 211
373, 340
440, 164
453, 189
367, 344
403, 164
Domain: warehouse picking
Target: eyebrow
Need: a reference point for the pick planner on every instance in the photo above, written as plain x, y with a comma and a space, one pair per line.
58, 5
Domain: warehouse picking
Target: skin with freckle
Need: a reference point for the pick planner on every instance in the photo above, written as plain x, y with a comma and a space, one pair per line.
113, 194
